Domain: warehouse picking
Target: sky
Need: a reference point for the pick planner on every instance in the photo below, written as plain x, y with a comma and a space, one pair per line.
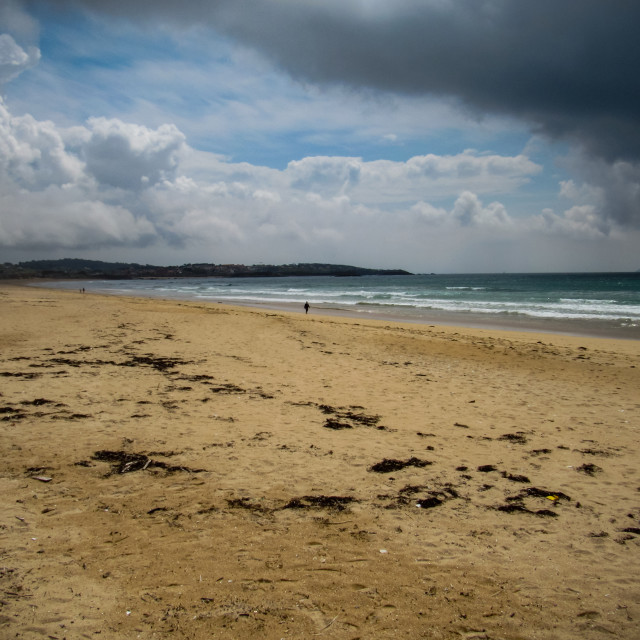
430, 135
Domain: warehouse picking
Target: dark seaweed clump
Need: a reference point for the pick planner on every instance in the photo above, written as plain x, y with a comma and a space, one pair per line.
518, 438
428, 503
486, 468
123, 462
520, 508
320, 502
354, 418
543, 493
388, 465
331, 423
515, 477
589, 468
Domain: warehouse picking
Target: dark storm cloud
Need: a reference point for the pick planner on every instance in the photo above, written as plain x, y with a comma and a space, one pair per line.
569, 67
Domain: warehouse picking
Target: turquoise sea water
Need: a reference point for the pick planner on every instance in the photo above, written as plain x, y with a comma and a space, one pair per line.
589, 304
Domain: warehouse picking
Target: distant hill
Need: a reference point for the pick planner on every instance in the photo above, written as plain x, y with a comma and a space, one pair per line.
98, 270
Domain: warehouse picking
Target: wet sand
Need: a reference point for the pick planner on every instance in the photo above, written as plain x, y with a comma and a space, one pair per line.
493, 322
204, 471
591, 327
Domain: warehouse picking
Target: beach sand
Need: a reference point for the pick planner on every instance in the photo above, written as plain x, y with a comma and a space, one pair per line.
175, 469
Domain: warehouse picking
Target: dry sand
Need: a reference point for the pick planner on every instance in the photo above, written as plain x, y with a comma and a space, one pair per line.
179, 470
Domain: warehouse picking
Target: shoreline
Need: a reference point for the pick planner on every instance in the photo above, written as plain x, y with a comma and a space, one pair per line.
489, 322
464, 321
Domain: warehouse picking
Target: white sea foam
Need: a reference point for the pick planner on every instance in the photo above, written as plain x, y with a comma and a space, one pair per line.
465, 288
565, 298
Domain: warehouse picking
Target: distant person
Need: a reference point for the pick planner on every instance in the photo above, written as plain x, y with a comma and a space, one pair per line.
306, 307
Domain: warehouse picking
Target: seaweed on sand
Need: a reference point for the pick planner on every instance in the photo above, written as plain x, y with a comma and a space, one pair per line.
320, 502
123, 462
388, 465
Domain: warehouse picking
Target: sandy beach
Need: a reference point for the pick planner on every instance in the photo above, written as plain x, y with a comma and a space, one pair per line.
176, 469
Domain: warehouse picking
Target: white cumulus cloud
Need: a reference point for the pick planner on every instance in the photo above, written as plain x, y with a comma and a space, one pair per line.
429, 175
131, 156
58, 218
33, 154
108, 185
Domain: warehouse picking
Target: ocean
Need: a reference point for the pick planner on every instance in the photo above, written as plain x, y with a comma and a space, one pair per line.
593, 304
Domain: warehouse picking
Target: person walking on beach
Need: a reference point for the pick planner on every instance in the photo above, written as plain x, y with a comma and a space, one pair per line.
306, 307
